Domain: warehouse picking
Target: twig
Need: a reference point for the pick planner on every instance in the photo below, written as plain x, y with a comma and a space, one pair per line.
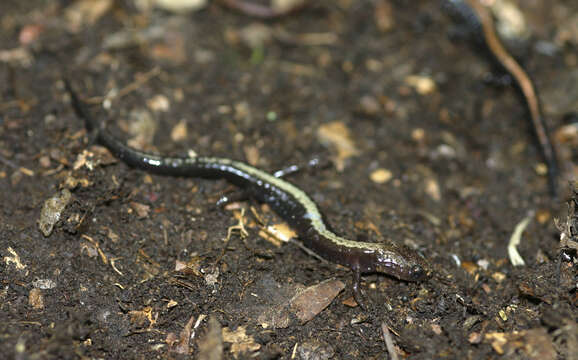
389, 342
515, 257
526, 87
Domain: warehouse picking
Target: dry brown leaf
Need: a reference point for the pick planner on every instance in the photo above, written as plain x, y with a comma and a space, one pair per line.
15, 260
52, 210
277, 234
179, 132
311, 301
141, 210
534, 343
337, 135
182, 345
36, 299
141, 317
252, 154
159, 103
241, 343
86, 12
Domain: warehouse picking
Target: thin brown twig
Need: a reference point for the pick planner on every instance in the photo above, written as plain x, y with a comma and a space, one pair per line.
526, 87
389, 342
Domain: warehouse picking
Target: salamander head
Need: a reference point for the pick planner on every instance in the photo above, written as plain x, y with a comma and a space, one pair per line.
401, 262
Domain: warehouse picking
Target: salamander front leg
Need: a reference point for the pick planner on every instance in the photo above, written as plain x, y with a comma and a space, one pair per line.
357, 293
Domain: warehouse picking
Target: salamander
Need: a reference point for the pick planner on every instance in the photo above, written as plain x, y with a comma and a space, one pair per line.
287, 200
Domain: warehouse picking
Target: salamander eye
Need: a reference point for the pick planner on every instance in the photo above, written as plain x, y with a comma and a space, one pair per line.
417, 272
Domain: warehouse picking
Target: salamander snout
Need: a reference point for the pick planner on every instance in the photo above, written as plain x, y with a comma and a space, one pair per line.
400, 262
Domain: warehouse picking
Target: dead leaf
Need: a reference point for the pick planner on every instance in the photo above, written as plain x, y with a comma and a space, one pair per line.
311, 301
337, 135
52, 210
193, 266
151, 267
252, 154
350, 302
241, 343
97, 155
534, 343
30, 33
142, 126
179, 132
71, 182
436, 328
470, 267
498, 276
36, 299
111, 234
432, 188
315, 349
140, 318
159, 103
85, 13
475, 338
14, 259
181, 345
141, 210
278, 234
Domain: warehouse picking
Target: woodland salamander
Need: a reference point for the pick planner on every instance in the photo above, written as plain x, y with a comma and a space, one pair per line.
287, 200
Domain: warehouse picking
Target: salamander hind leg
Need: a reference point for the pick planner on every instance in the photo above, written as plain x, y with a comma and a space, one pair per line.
357, 292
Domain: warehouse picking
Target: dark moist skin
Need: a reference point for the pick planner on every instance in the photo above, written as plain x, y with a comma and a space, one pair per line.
287, 200
481, 23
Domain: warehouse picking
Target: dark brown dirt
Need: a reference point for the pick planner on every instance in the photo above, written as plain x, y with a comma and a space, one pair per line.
463, 161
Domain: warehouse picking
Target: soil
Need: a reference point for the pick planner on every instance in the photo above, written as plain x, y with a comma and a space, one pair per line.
422, 150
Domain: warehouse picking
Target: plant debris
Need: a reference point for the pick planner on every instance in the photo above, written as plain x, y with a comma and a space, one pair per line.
52, 210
